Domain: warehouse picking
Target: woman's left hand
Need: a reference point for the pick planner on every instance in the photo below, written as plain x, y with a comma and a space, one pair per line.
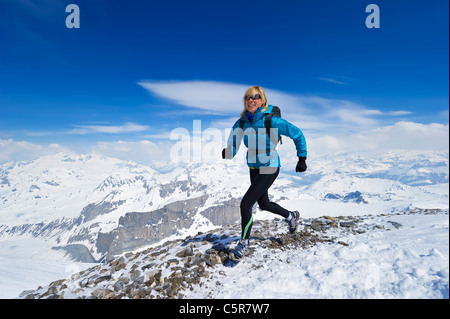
301, 165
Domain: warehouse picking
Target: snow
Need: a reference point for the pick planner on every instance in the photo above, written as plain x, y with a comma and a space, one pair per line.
26, 263
409, 262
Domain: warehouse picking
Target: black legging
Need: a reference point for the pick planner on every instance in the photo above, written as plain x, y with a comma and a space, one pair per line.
257, 192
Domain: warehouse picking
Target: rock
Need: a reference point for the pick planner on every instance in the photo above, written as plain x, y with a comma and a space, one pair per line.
133, 292
285, 240
118, 286
215, 259
25, 293
137, 229
218, 247
118, 264
123, 278
57, 283
189, 251
395, 224
77, 252
142, 293
173, 262
102, 293
181, 253
83, 283
208, 262
347, 224
266, 242
52, 290
134, 274
316, 226
102, 278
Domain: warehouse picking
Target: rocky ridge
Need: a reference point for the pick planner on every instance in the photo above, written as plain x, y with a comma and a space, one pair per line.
172, 269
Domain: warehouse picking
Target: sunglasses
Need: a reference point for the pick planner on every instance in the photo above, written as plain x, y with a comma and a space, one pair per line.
254, 97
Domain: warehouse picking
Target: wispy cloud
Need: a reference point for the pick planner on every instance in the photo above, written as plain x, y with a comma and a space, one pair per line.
399, 113
331, 80
108, 129
315, 113
207, 96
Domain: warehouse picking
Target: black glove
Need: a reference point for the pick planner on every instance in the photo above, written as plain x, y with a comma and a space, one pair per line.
227, 153
301, 165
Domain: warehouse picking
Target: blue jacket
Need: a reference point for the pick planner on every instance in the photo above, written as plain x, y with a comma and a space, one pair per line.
258, 142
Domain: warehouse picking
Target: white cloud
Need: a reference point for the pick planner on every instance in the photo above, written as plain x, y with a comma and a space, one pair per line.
11, 150
400, 136
408, 135
109, 129
317, 114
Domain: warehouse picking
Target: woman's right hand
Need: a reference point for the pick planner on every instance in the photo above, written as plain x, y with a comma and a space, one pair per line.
227, 153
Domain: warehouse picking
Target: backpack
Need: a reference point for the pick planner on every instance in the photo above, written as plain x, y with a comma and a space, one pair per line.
268, 124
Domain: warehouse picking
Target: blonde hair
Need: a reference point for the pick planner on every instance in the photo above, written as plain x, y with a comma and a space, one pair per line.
255, 89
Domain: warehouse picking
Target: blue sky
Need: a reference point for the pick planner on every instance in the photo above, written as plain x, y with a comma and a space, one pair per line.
135, 70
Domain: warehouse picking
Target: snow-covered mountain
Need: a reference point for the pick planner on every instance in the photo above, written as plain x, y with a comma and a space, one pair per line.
81, 199
399, 255
95, 201
93, 207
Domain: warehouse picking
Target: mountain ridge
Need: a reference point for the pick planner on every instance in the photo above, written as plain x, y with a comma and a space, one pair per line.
192, 267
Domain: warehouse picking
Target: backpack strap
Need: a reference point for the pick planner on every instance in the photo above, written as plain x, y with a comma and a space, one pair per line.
241, 124
268, 124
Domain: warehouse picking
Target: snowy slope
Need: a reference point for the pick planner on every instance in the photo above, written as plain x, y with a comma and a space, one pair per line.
409, 262
402, 255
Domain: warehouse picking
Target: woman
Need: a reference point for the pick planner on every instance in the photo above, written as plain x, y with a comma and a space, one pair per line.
262, 159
